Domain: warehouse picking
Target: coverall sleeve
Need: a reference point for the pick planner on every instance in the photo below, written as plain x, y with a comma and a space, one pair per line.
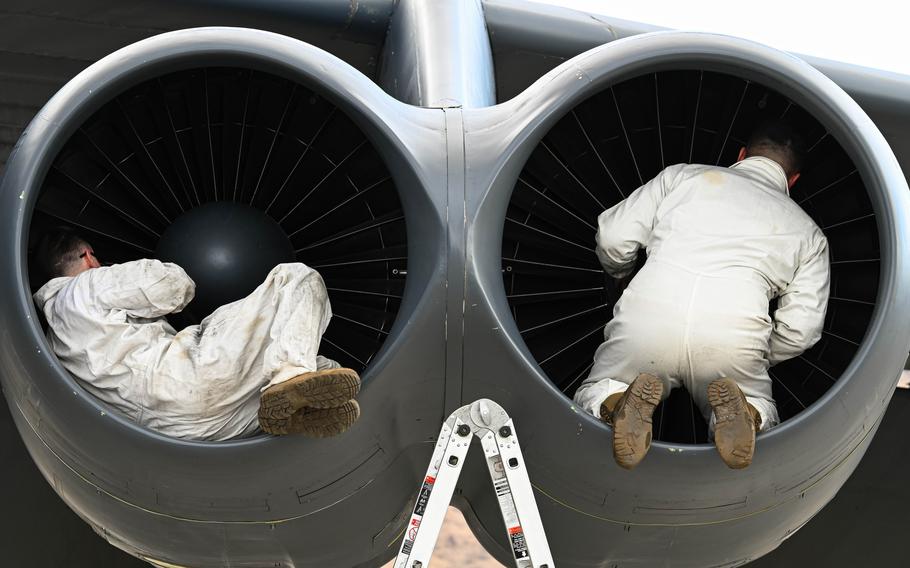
626, 227
143, 288
800, 315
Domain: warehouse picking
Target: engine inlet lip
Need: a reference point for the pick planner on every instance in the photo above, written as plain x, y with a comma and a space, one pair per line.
547, 101
353, 93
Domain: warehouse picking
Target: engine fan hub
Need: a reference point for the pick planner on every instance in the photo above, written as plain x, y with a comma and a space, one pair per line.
227, 249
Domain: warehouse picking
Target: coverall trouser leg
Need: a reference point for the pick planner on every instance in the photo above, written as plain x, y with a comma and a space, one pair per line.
216, 376
277, 329
675, 324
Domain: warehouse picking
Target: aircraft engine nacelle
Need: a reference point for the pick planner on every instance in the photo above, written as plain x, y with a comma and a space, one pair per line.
233, 128
577, 141
457, 248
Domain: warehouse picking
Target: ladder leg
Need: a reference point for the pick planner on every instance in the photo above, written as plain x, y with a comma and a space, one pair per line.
516, 498
435, 495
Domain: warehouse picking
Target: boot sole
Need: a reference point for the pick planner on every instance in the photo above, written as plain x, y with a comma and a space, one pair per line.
315, 422
321, 389
632, 423
734, 431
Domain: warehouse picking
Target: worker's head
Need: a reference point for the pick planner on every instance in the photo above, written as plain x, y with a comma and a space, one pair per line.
779, 141
64, 252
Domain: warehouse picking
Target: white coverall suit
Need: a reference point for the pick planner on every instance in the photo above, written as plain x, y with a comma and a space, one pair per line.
107, 328
721, 243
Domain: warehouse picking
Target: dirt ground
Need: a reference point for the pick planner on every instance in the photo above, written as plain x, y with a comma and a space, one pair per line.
457, 547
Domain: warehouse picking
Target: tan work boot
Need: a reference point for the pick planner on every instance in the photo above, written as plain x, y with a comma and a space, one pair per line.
630, 415
736, 422
318, 389
609, 405
315, 422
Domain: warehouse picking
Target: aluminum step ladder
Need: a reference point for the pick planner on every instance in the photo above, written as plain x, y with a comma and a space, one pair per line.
489, 422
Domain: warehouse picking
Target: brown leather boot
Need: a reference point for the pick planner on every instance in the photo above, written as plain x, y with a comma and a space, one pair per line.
319, 389
631, 416
737, 421
315, 422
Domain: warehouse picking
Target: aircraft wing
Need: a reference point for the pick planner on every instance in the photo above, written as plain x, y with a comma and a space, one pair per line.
45, 43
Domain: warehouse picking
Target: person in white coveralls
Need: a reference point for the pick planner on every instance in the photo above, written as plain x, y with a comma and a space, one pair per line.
721, 243
251, 364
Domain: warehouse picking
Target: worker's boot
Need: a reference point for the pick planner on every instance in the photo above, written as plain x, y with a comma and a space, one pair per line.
736, 422
630, 416
328, 388
315, 422
609, 405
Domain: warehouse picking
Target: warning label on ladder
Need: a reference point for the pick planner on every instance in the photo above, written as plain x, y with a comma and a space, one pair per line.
407, 547
519, 546
506, 504
419, 509
424, 496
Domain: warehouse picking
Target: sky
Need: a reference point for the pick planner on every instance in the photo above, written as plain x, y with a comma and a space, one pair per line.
873, 33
